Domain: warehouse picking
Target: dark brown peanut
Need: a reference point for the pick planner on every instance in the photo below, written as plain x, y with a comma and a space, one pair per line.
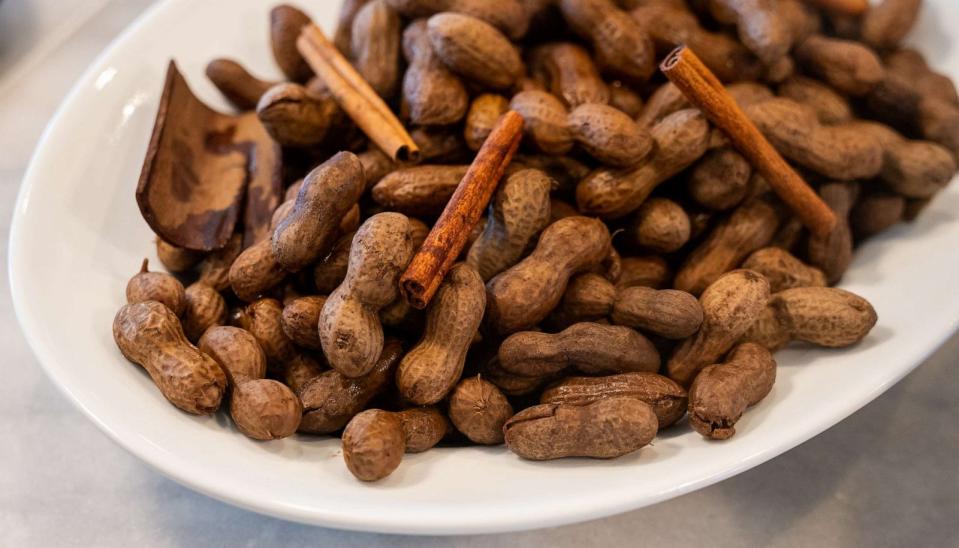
255, 271
328, 193
660, 225
331, 399
214, 269
475, 50
262, 409
914, 169
591, 348
620, 44
518, 213
782, 270
423, 428
668, 313
349, 326
833, 253
831, 107
236, 83
300, 319
295, 116
373, 444
875, 212
730, 306
375, 46
884, 25
431, 368
589, 297
849, 67
649, 271
569, 73
681, 139
522, 296
720, 180
750, 227
286, 22
604, 429
478, 409
509, 16
723, 391
667, 399
432, 94
420, 191
483, 113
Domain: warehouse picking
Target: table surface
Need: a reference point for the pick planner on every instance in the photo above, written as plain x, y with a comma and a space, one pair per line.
887, 476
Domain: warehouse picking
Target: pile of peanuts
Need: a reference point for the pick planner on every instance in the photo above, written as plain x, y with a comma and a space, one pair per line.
633, 269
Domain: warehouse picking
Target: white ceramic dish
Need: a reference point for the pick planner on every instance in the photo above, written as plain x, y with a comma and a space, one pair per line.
77, 236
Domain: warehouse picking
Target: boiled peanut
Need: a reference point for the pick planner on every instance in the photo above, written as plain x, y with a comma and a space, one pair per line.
604, 429
177, 259
665, 312
782, 270
667, 399
432, 367
431, 93
522, 296
349, 326
236, 83
420, 191
620, 44
721, 392
830, 106
660, 225
849, 67
875, 212
375, 46
156, 286
286, 22
478, 409
569, 73
474, 49
720, 180
509, 16
762, 27
205, 308
300, 319
483, 113
730, 306
149, 334
374, 441
833, 253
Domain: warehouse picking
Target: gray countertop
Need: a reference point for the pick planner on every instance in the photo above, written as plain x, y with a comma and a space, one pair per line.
887, 476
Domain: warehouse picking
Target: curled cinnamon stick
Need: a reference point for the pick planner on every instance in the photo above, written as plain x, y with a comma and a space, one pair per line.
355, 96
849, 7
448, 236
704, 90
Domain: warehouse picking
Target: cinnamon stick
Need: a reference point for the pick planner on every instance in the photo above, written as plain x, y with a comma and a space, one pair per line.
704, 90
849, 7
446, 240
355, 96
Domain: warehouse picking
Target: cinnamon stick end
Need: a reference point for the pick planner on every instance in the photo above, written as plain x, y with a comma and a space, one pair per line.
415, 293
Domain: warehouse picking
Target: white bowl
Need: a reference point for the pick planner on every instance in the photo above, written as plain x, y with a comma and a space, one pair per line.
77, 236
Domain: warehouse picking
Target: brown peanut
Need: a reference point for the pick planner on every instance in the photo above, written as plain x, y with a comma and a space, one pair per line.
204, 309
915, 169
214, 269
839, 152
591, 348
569, 73
475, 50
604, 132
483, 113
300, 319
327, 194
301, 369
420, 191
328, 273
343, 35
620, 44
479, 410
262, 409
750, 227
674, 25
648, 271
782, 270
149, 334
824, 316
156, 286
588, 297
177, 259
887, 23
240, 87
263, 318
680, 139
720, 180
660, 225
432, 367
374, 441
519, 211
509, 16
331, 399
255, 271
523, 295
762, 27
668, 313
849, 67
833, 253
667, 399
721, 392
830, 107
296, 116
375, 46
286, 22
349, 326
730, 306
875, 212
604, 429
432, 94
625, 99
